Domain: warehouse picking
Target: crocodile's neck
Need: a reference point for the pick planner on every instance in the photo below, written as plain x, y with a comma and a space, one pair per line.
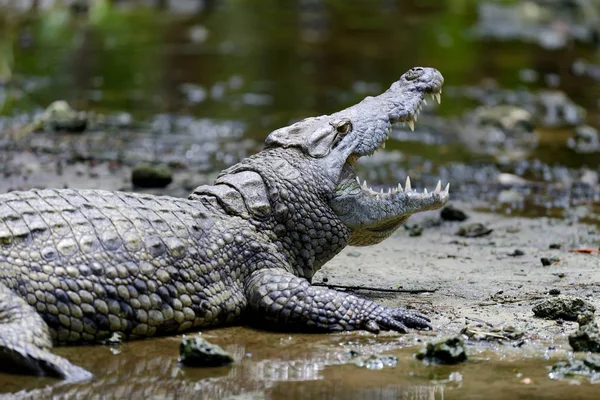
285, 197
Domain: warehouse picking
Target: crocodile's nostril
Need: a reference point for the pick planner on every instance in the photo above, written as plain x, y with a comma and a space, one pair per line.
414, 73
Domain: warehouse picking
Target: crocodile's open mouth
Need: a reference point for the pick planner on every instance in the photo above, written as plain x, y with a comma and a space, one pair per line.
373, 215
408, 120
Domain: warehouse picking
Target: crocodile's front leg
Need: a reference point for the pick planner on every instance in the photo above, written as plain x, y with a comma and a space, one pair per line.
285, 300
25, 342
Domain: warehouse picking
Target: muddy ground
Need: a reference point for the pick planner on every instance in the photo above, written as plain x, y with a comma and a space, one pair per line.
475, 281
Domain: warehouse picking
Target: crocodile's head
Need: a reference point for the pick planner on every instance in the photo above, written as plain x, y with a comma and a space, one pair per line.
337, 141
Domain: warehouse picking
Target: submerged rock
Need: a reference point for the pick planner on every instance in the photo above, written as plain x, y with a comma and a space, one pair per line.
567, 308
151, 176
588, 367
447, 351
376, 362
197, 352
587, 337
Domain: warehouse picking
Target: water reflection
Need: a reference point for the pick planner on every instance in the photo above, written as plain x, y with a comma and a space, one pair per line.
266, 364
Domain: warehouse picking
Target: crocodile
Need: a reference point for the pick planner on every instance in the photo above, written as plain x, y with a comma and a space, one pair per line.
79, 266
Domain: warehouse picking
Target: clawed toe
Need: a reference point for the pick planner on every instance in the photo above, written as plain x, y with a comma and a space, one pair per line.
414, 320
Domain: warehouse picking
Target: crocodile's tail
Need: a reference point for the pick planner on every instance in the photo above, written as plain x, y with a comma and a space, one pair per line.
25, 342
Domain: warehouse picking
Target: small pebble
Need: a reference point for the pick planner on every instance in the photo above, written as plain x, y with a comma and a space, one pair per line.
547, 261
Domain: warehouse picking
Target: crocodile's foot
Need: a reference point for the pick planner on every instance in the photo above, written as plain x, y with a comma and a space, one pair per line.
287, 300
396, 319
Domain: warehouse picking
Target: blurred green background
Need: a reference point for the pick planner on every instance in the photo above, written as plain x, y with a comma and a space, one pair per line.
266, 62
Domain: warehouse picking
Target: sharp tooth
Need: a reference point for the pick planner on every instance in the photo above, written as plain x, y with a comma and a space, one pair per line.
381, 192
399, 187
447, 190
407, 184
389, 191
438, 98
424, 101
358, 180
383, 145
415, 117
364, 184
411, 125
438, 187
432, 96
425, 191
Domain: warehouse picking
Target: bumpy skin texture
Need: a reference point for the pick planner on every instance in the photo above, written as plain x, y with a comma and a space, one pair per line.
77, 266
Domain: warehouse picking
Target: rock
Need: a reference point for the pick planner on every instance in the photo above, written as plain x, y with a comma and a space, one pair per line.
59, 116
592, 361
554, 292
587, 337
510, 196
577, 368
517, 253
555, 109
585, 140
149, 176
197, 352
511, 179
474, 230
447, 351
547, 261
567, 308
451, 213
414, 229
497, 333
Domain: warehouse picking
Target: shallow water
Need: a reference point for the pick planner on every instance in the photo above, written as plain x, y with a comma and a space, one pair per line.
207, 87
295, 366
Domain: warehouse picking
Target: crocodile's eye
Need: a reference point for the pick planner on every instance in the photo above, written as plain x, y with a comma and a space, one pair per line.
343, 126
413, 73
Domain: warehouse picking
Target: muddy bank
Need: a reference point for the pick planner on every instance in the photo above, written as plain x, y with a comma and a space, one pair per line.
479, 281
